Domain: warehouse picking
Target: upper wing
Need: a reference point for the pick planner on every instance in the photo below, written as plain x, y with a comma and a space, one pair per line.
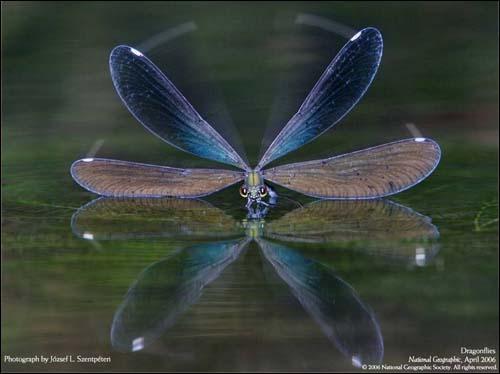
130, 179
154, 100
340, 87
370, 173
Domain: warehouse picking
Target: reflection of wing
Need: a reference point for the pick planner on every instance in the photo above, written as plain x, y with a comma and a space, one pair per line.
343, 220
166, 289
331, 302
377, 226
126, 218
153, 99
370, 173
340, 87
130, 179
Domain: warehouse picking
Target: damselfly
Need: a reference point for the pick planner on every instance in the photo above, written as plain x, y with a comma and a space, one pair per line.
156, 103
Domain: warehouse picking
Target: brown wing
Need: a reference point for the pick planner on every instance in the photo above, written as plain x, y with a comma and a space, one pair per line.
114, 218
370, 173
376, 227
355, 220
130, 179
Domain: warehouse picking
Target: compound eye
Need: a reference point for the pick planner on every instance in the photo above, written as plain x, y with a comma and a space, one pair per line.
243, 191
263, 191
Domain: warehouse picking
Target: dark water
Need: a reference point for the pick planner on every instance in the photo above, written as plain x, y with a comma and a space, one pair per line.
194, 285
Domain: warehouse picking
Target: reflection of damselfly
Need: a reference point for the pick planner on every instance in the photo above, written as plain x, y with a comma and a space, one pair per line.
153, 99
167, 288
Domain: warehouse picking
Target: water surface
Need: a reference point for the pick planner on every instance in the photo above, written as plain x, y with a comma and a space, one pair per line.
173, 285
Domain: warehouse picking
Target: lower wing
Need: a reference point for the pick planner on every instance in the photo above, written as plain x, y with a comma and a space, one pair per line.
370, 173
109, 218
330, 301
129, 179
166, 290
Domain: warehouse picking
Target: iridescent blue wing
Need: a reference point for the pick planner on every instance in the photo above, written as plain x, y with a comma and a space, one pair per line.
338, 90
156, 103
331, 302
166, 289
366, 174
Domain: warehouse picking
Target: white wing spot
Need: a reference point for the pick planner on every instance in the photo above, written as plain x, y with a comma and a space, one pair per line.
138, 344
135, 52
88, 236
87, 159
356, 361
420, 140
420, 256
355, 36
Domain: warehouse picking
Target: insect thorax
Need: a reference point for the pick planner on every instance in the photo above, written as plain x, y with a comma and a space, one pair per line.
254, 179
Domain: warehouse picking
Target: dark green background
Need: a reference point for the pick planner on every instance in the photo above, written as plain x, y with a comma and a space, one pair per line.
247, 65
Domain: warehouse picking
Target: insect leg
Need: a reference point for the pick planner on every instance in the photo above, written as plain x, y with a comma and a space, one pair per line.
261, 202
249, 203
273, 196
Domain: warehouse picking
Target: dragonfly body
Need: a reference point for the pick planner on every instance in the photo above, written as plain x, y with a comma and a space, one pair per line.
160, 107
